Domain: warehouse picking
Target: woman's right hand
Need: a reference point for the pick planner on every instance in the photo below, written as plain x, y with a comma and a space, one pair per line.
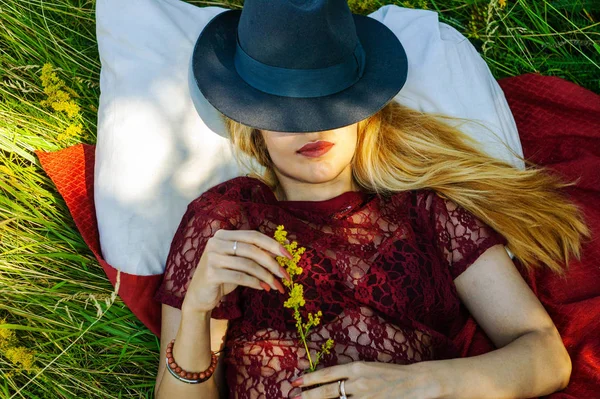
220, 271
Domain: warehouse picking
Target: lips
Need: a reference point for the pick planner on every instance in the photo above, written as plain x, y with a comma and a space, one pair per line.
316, 146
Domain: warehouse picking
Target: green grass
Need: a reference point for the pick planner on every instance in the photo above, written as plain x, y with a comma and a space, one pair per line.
55, 300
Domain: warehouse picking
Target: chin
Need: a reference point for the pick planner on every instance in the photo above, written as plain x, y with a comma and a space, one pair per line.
314, 173
319, 176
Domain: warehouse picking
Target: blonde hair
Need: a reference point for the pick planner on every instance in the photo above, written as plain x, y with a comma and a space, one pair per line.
399, 149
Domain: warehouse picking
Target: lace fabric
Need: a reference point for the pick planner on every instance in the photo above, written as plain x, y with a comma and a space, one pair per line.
380, 269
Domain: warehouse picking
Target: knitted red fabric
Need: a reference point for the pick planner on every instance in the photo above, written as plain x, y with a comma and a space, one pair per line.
380, 269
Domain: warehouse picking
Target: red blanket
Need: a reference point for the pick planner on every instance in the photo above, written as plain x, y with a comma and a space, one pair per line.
559, 127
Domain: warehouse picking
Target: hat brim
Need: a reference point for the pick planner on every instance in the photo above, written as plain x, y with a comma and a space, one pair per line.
213, 69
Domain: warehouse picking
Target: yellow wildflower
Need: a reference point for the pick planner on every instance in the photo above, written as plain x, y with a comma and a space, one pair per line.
326, 347
70, 131
59, 99
59, 96
296, 291
16, 354
7, 336
360, 6
20, 355
296, 298
314, 319
280, 234
502, 3
290, 265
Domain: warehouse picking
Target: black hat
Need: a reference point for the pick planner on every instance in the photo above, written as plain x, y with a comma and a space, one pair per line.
298, 65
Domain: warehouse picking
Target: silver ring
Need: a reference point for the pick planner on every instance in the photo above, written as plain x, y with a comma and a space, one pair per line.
341, 389
234, 247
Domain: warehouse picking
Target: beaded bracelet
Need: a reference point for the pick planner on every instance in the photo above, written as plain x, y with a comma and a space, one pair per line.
186, 376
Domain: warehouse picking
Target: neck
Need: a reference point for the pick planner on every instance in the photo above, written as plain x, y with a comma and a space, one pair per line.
290, 189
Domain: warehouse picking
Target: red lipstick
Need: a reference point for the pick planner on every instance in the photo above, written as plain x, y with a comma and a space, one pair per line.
315, 149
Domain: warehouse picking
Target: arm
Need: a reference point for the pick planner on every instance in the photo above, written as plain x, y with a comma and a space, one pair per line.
531, 360
196, 334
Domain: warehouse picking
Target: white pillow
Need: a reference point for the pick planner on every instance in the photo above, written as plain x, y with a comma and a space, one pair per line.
161, 144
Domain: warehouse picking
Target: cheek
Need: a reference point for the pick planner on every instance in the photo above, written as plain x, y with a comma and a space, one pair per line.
345, 150
280, 150
350, 148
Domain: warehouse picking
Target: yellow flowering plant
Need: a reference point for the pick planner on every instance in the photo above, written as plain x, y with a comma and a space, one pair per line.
10, 349
296, 296
60, 99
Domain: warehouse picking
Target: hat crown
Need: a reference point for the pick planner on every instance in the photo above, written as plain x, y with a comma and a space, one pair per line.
299, 34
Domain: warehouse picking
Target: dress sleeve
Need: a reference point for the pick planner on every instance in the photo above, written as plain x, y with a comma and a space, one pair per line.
461, 236
197, 225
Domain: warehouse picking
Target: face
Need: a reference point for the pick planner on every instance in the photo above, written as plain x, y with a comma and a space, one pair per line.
323, 163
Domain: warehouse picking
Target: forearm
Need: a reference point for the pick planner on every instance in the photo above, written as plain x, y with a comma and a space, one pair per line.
192, 352
533, 365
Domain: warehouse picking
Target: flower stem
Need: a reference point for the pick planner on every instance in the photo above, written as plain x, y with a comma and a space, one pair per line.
307, 352
303, 337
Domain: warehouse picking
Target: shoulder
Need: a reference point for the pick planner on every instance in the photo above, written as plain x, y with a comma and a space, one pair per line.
425, 197
418, 198
425, 206
431, 201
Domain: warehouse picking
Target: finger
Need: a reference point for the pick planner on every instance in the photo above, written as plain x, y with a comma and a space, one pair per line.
328, 390
327, 374
257, 254
238, 278
248, 266
254, 237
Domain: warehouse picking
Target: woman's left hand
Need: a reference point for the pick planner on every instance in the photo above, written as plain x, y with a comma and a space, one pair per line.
373, 380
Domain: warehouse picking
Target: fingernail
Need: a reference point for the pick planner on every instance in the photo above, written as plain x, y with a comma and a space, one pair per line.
279, 287
297, 382
286, 253
278, 273
297, 397
285, 273
265, 286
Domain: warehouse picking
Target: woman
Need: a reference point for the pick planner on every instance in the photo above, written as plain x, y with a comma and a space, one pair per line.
403, 220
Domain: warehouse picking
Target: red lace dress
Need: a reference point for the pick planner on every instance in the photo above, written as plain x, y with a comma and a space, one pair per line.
380, 269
